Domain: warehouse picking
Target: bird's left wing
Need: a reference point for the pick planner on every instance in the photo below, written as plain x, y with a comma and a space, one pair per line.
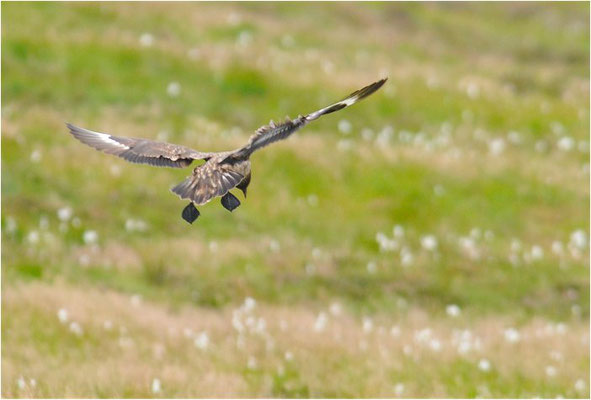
137, 150
268, 134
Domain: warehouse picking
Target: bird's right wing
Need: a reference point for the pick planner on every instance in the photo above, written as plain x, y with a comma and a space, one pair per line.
268, 134
141, 151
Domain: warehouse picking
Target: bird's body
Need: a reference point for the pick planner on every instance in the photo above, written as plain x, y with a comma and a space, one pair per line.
221, 171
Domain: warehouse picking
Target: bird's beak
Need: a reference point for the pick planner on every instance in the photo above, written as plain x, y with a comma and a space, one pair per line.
244, 191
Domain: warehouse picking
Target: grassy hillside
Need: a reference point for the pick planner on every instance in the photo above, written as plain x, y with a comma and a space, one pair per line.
429, 241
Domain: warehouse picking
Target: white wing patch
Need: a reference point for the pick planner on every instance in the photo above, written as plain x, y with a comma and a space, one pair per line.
107, 139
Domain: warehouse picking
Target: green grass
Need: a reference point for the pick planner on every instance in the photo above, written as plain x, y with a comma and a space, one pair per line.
83, 63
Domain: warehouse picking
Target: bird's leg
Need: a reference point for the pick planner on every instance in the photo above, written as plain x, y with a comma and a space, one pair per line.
230, 202
190, 213
244, 184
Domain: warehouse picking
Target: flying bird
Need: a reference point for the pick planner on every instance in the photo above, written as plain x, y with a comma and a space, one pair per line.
222, 171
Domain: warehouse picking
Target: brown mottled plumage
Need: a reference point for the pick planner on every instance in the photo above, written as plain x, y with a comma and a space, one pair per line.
221, 171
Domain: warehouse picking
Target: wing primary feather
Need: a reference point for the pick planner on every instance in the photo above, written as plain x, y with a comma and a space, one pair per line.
142, 151
271, 133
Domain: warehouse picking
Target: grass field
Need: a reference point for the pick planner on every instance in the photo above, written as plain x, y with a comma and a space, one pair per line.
429, 241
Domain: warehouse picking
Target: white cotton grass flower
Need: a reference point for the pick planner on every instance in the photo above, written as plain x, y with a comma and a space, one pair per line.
579, 239
249, 304
557, 247
385, 136
244, 38
541, 146
453, 310
363, 345
484, 365
406, 257
367, 325
156, 386
33, 382
194, 53
10, 224
202, 341
107, 325
33, 237
135, 225
566, 143
372, 267
556, 355
251, 363
335, 309
84, 259
515, 245
75, 328
398, 231
561, 328
395, 331
64, 214
399, 389
115, 170
472, 90
537, 253
367, 134
320, 323
36, 156
312, 200
345, 127
146, 39
136, 300
43, 223
62, 315
429, 242
233, 19
90, 237
580, 385
435, 345
327, 67
316, 253
557, 128
21, 383
496, 146
385, 243
274, 246
465, 341
468, 246
345, 145
514, 137
438, 190
173, 89
288, 356
512, 335
550, 371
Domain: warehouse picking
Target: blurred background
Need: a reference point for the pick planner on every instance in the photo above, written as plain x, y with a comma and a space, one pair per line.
430, 241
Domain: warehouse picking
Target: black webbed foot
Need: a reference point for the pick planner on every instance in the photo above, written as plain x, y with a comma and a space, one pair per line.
190, 213
230, 202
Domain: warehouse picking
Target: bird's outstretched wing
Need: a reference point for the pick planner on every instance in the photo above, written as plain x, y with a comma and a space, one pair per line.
141, 151
268, 134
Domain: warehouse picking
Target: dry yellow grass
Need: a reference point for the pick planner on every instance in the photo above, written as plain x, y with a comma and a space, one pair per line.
126, 343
